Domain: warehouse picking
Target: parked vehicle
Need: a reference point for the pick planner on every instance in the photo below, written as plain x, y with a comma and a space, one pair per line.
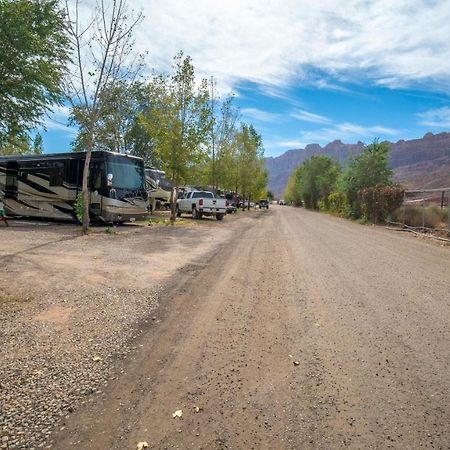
231, 207
281, 202
264, 203
47, 186
201, 203
158, 187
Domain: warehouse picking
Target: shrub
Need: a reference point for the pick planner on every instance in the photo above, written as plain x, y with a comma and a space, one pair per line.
337, 202
379, 201
79, 207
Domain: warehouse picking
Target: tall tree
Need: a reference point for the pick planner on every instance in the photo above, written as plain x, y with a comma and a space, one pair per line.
368, 169
318, 180
251, 174
33, 56
292, 190
226, 130
179, 122
103, 58
38, 144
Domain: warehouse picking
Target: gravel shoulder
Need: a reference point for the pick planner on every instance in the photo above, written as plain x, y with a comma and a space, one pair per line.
71, 308
300, 331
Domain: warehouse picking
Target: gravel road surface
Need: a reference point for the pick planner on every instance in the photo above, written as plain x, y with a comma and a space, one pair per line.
71, 307
300, 331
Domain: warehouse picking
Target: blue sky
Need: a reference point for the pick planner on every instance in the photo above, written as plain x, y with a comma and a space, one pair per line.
306, 71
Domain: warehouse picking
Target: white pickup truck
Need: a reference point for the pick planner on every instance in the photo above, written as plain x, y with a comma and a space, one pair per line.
201, 203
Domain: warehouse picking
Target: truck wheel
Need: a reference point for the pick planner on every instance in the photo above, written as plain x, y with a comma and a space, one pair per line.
178, 213
194, 213
219, 216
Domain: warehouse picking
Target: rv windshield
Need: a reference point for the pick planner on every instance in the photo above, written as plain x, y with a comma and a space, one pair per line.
126, 173
159, 175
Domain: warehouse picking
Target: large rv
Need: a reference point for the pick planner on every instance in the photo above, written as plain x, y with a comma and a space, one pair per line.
158, 186
47, 186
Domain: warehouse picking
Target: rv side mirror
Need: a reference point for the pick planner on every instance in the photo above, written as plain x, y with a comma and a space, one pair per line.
109, 178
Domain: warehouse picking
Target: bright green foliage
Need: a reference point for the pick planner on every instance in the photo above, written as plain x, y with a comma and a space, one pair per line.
79, 207
224, 129
365, 190
337, 202
292, 191
178, 120
314, 182
251, 176
368, 169
33, 54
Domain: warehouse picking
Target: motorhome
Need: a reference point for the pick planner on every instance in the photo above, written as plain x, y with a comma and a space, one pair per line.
159, 187
47, 186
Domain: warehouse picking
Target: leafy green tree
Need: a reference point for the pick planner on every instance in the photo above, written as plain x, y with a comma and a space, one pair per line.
249, 160
179, 122
33, 56
318, 180
117, 128
368, 169
313, 182
226, 132
22, 144
292, 191
38, 145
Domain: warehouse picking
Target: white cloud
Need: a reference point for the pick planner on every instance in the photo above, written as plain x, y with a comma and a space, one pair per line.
349, 132
276, 42
306, 116
260, 115
290, 144
439, 118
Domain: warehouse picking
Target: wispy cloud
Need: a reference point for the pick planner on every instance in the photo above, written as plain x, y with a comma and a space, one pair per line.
58, 120
349, 132
307, 116
260, 115
290, 144
397, 42
439, 118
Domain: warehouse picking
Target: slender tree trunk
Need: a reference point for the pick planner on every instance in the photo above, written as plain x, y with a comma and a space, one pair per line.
85, 191
173, 203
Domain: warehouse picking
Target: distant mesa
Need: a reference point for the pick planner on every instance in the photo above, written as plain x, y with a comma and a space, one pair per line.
417, 163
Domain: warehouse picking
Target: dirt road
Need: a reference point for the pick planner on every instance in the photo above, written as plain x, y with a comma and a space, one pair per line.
300, 331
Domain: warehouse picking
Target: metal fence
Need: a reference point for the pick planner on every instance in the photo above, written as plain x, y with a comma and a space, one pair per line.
426, 210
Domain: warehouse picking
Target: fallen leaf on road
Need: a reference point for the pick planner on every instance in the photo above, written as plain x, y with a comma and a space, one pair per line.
142, 445
198, 409
96, 359
296, 363
177, 413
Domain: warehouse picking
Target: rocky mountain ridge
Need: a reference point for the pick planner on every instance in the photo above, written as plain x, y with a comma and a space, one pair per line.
417, 163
